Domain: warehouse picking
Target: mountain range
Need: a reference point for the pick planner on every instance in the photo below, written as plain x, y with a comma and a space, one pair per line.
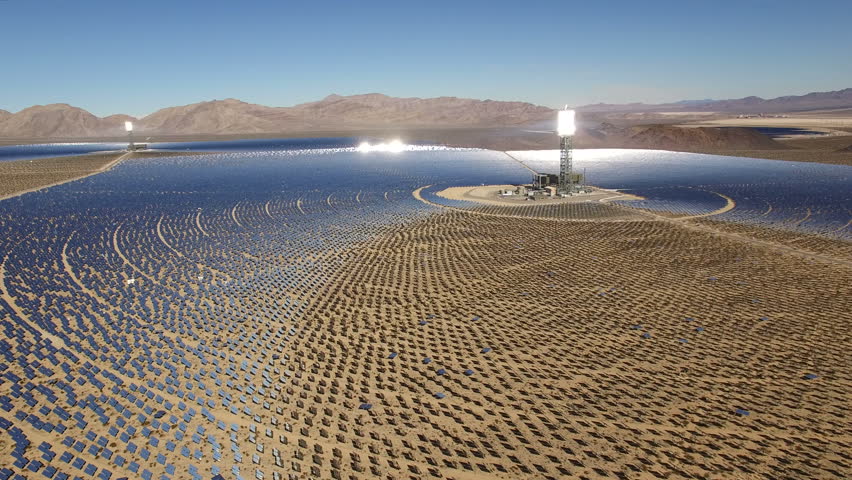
368, 111
232, 116
748, 105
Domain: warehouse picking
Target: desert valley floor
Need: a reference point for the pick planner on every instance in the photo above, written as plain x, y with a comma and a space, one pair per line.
323, 313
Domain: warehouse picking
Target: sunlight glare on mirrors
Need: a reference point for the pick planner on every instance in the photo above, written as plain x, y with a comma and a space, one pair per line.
395, 146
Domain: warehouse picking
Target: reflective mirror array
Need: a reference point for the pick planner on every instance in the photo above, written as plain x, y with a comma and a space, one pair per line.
801, 197
150, 312
125, 296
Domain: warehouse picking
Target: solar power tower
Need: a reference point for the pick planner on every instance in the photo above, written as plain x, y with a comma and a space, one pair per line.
566, 129
129, 127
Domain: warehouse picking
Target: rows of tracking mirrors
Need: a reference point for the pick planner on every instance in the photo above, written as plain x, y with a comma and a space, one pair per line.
593, 368
807, 198
131, 347
151, 314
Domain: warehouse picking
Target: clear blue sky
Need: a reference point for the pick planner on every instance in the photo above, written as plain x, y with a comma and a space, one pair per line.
136, 57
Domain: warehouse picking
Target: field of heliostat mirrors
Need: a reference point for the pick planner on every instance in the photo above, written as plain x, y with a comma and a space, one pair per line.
325, 313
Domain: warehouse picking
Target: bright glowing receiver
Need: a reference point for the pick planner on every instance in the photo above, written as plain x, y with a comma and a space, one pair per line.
128, 126
565, 123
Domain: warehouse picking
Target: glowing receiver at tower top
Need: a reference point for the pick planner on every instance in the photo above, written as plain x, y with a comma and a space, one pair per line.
565, 126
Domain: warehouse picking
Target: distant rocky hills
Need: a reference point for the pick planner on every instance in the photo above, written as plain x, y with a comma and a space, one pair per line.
57, 120
233, 116
748, 105
380, 110
377, 111
671, 137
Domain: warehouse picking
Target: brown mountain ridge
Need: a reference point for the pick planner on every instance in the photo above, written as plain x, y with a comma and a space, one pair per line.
454, 121
748, 105
57, 120
233, 116
671, 137
372, 110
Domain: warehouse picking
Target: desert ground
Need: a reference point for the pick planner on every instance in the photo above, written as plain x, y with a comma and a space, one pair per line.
638, 348
618, 351
22, 176
835, 147
27, 175
570, 339
827, 124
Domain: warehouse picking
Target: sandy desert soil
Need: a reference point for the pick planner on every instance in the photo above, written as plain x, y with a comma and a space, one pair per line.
617, 349
834, 148
827, 123
22, 176
829, 149
562, 349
